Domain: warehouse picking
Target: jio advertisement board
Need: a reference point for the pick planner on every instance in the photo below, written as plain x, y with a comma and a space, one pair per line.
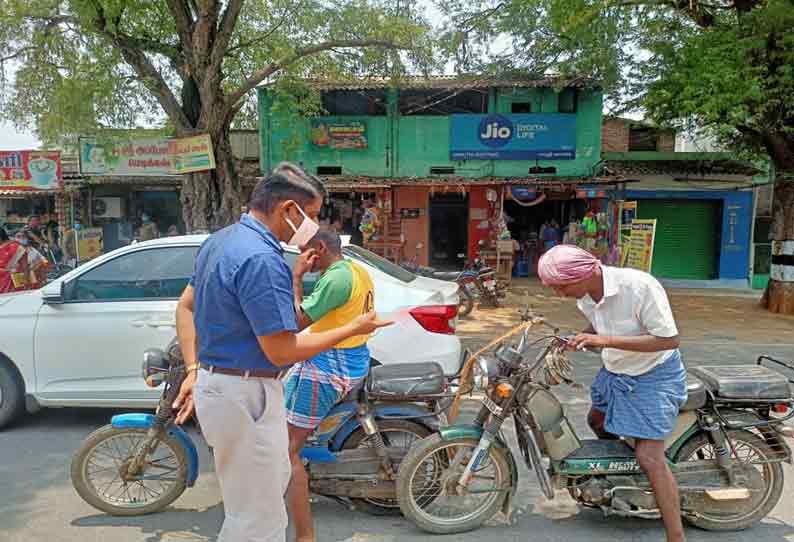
532, 136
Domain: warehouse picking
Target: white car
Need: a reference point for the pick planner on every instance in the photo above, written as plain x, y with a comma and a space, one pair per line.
79, 341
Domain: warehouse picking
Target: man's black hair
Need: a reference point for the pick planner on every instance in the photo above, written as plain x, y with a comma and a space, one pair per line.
291, 169
285, 182
330, 238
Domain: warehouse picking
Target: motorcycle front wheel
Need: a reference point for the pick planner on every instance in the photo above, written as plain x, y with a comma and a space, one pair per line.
99, 472
427, 485
749, 449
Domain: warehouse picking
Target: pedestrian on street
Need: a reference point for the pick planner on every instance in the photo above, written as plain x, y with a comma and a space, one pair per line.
632, 324
312, 387
237, 328
13, 264
148, 229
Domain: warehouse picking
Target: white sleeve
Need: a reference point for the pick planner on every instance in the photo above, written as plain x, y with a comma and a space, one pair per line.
655, 313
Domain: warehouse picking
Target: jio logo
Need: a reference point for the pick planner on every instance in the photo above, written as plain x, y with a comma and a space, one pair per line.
495, 131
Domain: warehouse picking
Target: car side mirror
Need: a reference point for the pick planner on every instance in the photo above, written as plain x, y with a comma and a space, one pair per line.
53, 293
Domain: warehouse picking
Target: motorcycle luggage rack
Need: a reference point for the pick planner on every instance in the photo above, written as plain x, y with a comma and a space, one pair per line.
777, 362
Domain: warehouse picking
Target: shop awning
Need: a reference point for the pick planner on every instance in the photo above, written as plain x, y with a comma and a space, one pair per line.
339, 182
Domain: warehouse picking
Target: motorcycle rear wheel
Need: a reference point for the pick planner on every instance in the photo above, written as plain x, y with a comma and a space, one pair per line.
750, 448
96, 472
390, 430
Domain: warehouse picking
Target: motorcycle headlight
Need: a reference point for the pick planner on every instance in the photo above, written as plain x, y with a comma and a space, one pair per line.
484, 370
154, 367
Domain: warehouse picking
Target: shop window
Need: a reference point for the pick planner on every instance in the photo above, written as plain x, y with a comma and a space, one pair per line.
520, 107
329, 170
567, 100
359, 103
442, 102
642, 139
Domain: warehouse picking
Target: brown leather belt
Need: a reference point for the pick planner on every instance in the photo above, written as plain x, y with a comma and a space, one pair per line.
244, 373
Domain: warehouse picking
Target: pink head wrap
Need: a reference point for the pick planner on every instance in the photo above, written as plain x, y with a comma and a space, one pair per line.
566, 264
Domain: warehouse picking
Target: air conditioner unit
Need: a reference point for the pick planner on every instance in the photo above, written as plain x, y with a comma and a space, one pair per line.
107, 208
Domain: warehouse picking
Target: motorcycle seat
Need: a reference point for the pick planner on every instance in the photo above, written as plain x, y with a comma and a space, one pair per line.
696, 393
406, 380
744, 382
446, 275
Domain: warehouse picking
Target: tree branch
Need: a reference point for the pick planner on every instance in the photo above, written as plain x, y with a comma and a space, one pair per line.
146, 71
224, 36
184, 25
259, 76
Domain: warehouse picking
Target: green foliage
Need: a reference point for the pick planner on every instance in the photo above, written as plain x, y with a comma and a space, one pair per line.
64, 71
725, 66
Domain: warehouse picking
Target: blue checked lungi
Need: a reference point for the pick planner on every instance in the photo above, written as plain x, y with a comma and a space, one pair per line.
313, 387
644, 406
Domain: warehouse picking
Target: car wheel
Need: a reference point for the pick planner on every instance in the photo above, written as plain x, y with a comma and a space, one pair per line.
12, 395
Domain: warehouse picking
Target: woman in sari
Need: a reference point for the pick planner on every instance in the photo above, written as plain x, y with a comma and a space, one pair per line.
37, 264
14, 266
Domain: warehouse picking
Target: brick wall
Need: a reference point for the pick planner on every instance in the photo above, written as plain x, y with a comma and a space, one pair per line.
614, 135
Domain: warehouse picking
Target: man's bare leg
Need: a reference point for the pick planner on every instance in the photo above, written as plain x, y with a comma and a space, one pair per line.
596, 420
650, 456
298, 490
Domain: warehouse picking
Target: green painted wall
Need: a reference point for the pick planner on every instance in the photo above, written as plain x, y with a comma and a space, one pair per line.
410, 146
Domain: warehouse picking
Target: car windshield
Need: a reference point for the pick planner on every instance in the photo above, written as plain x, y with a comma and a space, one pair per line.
382, 264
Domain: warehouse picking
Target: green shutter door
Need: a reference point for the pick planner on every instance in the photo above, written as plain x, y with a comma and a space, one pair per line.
687, 237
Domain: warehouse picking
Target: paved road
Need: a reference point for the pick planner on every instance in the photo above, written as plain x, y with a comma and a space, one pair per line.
37, 503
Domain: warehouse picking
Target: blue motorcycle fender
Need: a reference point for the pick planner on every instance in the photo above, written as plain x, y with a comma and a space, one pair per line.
145, 421
453, 432
413, 412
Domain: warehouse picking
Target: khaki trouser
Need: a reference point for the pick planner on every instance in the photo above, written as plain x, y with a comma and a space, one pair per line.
243, 420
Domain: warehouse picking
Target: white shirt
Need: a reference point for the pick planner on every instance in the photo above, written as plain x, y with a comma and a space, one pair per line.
634, 304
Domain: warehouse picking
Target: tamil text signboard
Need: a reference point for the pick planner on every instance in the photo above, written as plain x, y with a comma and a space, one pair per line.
145, 157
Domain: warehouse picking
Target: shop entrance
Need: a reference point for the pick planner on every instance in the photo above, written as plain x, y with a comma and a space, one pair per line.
449, 220
687, 237
538, 227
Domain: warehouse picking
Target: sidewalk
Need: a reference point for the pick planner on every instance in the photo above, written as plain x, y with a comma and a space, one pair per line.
718, 317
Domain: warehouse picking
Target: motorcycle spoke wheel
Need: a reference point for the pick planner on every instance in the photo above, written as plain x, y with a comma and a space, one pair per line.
430, 495
750, 450
397, 434
99, 472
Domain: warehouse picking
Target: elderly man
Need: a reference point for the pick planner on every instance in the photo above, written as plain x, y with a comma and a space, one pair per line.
237, 328
313, 387
642, 385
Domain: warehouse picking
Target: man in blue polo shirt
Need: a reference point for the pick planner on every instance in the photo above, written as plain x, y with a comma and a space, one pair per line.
237, 327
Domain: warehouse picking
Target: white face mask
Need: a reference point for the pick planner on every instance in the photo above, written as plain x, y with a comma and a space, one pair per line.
305, 232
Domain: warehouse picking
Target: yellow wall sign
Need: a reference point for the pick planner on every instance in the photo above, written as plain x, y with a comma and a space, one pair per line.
190, 154
640, 253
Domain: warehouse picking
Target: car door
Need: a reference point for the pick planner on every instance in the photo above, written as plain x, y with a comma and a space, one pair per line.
89, 349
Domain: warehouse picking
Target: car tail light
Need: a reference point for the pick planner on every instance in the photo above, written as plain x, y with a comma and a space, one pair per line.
436, 318
781, 408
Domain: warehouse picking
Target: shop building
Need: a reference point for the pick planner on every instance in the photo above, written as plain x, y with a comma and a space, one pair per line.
429, 166
705, 208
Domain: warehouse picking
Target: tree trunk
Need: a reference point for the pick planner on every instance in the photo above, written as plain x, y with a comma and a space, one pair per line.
779, 295
213, 199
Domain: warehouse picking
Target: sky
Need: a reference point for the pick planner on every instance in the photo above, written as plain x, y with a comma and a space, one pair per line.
11, 139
